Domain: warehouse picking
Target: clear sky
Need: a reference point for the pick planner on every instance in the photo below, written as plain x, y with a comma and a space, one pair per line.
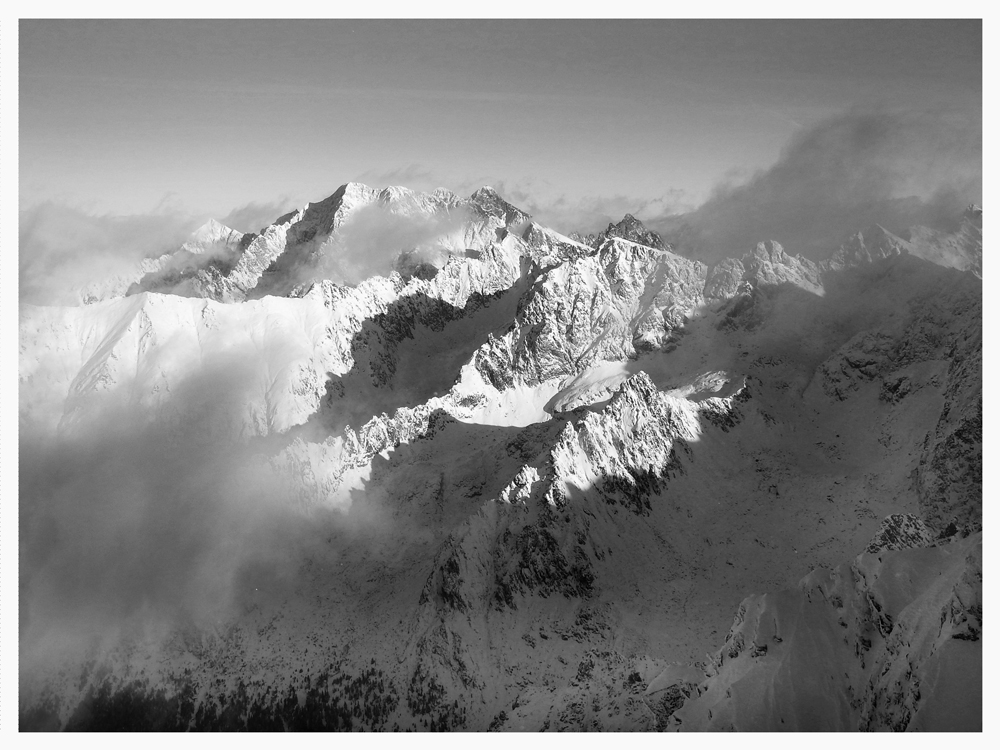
127, 116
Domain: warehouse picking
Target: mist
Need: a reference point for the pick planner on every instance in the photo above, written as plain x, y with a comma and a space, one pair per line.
592, 214
838, 177
62, 250
373, 239
255, 216
139, 519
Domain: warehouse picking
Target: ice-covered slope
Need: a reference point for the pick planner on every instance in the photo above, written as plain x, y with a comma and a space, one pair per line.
526, 488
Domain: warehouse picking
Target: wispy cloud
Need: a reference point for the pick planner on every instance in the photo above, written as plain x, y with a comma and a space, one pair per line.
126, 517
62, 250
859, 168
371, 241
254, 216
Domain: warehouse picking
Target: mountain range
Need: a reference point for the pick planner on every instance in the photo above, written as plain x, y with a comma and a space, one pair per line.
414, 461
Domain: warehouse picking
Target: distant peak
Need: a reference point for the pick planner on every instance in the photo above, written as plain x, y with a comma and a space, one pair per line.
489, 201
877, 230
486, 191
395, 193
211, 228
770, 250
769, 246
631, 229
352, 190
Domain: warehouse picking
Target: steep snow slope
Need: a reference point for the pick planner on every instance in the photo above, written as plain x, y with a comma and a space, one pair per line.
509, 492
891, 640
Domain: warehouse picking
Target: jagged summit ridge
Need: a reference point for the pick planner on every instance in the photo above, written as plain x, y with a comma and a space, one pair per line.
292, 249
629, 228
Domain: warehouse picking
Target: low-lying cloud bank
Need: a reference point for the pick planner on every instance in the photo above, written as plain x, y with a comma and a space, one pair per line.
127, 521
863, 166
145, 516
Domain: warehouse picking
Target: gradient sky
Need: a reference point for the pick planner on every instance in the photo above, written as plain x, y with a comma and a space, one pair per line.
206, 116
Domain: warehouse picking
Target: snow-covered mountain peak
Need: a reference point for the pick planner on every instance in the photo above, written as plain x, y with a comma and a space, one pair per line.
211, 231
212, 236
445, 195
868, 246
491, 203
638, 388
770, 251
629, 228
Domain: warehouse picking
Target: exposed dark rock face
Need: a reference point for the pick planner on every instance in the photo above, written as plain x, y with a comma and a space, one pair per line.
901, 531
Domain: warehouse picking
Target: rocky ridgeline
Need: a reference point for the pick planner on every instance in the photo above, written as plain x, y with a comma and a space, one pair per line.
615, 304
145, 323
536, 538
767, 264
622, 455
605, 306
629, 298
497, 268
287, 254
624, 449
961, 249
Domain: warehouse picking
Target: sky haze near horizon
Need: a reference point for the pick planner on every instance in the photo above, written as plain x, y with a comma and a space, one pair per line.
132, 117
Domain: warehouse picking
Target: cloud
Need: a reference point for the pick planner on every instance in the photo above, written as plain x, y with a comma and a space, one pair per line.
61, 250
64, 254
135, 522
252, 217
374, 237
842, 175
586, 214
592, 214
545, 202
